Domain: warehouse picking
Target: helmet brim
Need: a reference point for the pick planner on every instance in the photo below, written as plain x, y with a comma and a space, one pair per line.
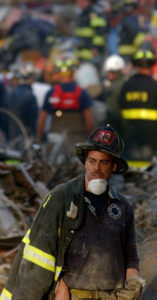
82, 149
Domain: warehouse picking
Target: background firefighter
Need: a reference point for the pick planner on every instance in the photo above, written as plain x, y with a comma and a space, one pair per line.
68, 104
90, 33
138, 102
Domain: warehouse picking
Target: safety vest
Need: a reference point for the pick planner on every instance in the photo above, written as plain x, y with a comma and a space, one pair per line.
65, 100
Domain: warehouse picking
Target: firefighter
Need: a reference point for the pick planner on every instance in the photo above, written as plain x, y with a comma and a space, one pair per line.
114, 12
133, 29
150, 42
83, 237
138, 102
90, 33
69, 105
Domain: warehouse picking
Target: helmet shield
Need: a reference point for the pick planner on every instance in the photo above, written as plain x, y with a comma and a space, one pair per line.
106, 140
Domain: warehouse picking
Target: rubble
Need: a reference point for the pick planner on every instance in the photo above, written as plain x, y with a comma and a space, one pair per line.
148, 266
141, 190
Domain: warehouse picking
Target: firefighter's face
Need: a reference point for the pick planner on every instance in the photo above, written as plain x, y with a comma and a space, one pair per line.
66, 77
99, 165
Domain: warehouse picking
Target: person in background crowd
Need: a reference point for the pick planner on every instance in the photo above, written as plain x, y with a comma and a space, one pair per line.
138, 102
69, 105
113, 68
90, 33
146, 8
133, 30
22, 101
114, 11
150, 42
81, 244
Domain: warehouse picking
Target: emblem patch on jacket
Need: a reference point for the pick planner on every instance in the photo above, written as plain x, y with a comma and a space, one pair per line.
114, 211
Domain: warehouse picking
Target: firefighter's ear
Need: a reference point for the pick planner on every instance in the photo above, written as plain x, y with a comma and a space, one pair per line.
114, 167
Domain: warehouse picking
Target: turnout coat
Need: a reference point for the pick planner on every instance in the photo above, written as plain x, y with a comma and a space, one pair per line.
40, 260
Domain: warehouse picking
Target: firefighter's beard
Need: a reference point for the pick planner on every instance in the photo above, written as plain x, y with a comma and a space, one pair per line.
97, 186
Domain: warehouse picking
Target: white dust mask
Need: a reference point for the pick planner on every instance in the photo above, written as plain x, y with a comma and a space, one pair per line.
97, 186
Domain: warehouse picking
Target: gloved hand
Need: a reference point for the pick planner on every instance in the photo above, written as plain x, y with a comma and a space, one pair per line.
108, 297
132, 290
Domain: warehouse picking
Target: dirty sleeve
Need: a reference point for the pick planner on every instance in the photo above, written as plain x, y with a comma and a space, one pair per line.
132, 260
34, 270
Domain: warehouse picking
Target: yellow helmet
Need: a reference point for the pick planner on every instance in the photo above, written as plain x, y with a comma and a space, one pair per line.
65, 66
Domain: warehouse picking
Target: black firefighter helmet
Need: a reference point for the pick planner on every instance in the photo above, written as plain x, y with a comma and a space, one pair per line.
144, 58
106, 140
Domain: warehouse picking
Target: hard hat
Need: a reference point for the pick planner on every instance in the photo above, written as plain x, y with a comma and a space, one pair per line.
26, 70
65, 65
104, 139
114, 63
144, 58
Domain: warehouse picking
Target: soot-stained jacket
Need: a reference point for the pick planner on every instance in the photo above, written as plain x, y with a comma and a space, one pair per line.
39, 262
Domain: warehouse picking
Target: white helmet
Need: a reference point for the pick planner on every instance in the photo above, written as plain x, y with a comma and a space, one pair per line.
114, 63
25, 70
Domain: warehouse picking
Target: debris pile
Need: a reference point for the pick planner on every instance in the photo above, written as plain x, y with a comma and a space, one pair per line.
140, 187
22, 188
